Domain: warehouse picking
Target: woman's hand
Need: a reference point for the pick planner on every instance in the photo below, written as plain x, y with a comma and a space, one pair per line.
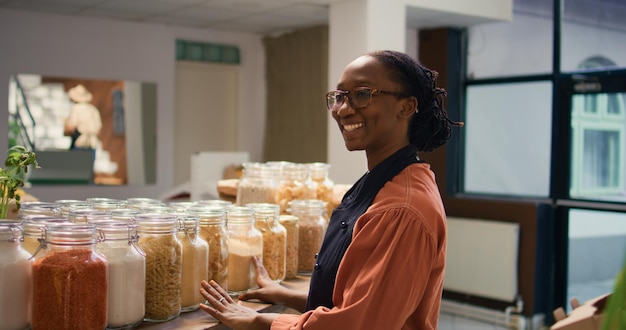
268, 291
232, 314
272, 292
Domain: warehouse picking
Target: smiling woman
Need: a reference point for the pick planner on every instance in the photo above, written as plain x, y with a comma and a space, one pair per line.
39, 106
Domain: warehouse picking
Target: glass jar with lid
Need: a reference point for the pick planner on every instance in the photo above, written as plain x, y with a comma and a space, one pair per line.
103, 203
324, 186
124, 214
117, 241
195, 262
290, 222
244, 243
38, 208
34, 232
296, 183
212, 223
88, 215
141, 202
180, 207
79, 275
67, 204
274, 238
311, 231
15, 278
258, 184
157, 238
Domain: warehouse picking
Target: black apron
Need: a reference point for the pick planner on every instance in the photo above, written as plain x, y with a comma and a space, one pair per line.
339, 233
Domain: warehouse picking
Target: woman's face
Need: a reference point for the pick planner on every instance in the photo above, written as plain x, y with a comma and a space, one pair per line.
380, 128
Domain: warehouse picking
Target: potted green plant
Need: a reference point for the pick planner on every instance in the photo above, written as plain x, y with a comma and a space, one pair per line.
12, 176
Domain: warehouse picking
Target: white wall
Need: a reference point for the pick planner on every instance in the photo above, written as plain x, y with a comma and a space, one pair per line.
95, 48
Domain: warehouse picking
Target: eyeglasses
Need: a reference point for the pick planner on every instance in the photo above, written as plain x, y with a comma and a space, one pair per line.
358, 98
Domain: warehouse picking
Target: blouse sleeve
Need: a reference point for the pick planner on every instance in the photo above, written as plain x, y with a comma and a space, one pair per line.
382, 276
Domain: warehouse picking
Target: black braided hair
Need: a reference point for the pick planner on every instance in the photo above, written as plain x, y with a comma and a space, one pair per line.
430, 126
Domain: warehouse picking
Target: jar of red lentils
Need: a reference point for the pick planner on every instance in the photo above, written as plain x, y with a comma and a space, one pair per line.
69, 275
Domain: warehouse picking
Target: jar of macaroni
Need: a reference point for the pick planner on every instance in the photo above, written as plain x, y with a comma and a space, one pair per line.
117, 241
290, 222
296, 183
311, 231
257, 185
244, 243
274, 239
195, 262
324, 186
212, 223
15, 278
78, 299
164, 260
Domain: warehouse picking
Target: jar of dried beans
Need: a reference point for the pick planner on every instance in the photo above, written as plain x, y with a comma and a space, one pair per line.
257, 184
164, 260
311, 230
195, 262
290, 222
127, 273
212, 223
15, 278
244, 243
274, 239
68, 276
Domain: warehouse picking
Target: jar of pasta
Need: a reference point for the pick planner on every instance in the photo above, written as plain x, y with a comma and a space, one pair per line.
244, 243
15, 278
258, 184
290, 222
164, 260
117, 241
274, 238
195, 262
212, 223
324, 186
69, 286
295, 184
311, 230
34, 232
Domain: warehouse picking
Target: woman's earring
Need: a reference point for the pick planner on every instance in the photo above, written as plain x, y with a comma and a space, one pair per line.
417, 110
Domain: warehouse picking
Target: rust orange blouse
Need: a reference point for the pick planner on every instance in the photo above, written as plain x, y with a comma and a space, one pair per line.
391, 276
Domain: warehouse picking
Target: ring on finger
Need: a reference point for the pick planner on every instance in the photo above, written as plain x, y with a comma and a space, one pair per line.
222, 299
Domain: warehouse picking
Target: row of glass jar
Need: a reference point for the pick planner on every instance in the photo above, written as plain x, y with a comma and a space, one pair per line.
163, 252
281, 182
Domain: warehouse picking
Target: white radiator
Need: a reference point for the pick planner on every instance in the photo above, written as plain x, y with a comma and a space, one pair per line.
482, 258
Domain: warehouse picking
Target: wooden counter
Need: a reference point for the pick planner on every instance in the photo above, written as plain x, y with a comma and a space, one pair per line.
200, 320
